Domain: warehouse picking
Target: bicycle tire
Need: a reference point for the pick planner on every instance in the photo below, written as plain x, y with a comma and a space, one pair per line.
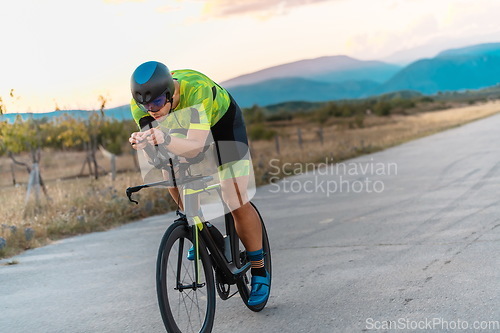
178, 308
243, 283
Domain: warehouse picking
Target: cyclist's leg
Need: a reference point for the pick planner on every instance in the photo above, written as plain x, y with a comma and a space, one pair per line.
175, 193
249, 229
234, 173
247, 222
233, 161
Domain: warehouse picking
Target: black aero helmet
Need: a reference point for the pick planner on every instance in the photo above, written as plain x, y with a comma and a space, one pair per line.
150, 80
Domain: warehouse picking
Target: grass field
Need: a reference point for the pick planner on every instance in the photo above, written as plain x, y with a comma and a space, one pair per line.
82, 205
341, 142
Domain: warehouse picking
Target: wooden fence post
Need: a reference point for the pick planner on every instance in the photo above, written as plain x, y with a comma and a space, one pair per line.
113, 167
112, 158
320, 135
299, 137
277, 143
13, 172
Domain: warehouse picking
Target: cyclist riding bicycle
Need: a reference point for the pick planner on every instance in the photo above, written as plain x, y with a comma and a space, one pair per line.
212, 113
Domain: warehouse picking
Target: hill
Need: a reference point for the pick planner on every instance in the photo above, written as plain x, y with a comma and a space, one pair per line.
325, 69
298, 89
119, 113
480, 49
472, 67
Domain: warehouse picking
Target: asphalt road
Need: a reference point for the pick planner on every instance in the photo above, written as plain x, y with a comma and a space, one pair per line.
410, 239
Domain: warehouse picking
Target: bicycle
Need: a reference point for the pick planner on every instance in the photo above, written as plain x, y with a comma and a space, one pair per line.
185, 288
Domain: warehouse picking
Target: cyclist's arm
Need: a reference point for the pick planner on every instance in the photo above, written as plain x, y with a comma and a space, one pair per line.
137, 140
199, 125
189, 147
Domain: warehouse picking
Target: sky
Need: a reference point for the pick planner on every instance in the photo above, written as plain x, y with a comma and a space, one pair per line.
65, 54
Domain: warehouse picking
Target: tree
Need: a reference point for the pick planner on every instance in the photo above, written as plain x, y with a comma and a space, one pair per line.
382, 108
254, 115
69, 133
2, 106
3, 128
94, 126
322, 114
26, 136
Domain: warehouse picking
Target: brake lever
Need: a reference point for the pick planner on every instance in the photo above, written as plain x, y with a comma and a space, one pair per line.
131, 190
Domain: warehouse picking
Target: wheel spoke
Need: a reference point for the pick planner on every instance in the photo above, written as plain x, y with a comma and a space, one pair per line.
188, 313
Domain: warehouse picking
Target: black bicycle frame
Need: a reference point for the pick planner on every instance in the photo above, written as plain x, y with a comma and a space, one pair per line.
192, 186
231, 267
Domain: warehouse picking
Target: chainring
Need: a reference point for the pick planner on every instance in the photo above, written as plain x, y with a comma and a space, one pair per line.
223, 288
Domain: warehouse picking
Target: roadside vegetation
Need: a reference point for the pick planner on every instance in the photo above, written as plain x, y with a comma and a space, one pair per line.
81, 190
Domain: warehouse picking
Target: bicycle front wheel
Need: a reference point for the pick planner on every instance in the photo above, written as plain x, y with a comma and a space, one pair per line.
186, 305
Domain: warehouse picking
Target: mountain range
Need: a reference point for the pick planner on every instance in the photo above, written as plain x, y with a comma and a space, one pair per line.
324, 69
119, 113
343, 77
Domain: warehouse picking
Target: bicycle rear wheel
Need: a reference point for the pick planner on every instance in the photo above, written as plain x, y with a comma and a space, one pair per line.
184, 308
243, 283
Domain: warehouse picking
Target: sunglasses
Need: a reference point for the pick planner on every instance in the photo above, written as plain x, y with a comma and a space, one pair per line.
155, 105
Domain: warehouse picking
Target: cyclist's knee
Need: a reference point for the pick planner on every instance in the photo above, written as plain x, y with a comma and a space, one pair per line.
235, 200
234, 193
243, 210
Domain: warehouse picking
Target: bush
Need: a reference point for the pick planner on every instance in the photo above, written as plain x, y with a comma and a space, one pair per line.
403, 103
282, 115
260, 132
359, 120
426, 99
347, 110
254, 115
382, 108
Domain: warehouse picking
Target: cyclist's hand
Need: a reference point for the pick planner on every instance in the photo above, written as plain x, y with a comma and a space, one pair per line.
137, 140
155, 136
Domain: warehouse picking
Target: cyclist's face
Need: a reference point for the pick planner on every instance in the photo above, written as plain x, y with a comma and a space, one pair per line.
162, 112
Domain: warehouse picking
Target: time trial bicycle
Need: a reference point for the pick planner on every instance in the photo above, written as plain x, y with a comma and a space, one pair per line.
186, 288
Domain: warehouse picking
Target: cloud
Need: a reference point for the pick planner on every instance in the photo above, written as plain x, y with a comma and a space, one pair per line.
417, 31
224, 8
121, 1
168, 9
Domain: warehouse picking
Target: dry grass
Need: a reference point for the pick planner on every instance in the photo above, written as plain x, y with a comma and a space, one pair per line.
77, 206
341, 142
85, 205
56, 165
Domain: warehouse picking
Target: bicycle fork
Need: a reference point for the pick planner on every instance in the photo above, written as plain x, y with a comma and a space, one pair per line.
192, 207
180, 258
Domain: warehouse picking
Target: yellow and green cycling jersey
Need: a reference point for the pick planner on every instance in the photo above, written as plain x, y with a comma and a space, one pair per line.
204, 105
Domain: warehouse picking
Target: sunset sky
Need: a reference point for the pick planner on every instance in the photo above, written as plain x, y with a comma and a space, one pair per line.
67, 53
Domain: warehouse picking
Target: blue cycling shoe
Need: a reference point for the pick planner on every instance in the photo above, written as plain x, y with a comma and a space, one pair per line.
190, 255
261, 286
